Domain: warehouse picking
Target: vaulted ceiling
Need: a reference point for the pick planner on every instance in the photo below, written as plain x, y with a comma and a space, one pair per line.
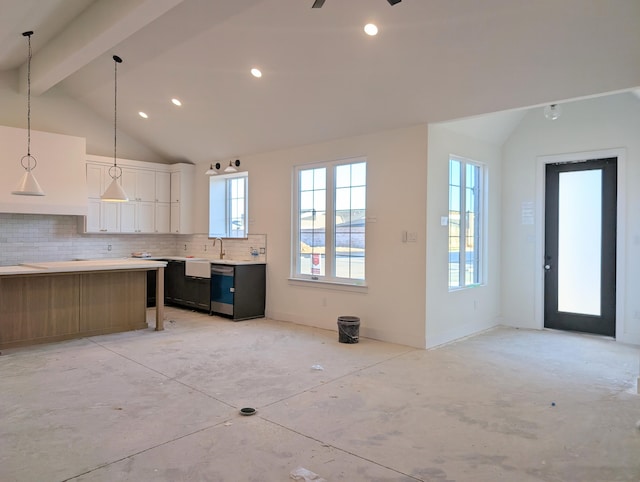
323, 77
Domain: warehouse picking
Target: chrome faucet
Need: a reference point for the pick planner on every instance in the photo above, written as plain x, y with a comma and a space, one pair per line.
214, 243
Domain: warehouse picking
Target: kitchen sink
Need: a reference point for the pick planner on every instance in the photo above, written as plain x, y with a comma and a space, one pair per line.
198, 268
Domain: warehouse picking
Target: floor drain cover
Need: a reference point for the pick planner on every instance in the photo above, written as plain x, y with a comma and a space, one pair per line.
247, 411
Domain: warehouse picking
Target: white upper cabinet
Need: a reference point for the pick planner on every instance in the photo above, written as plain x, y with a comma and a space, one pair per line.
182, 181
176, 187
163, 187
95, 180
139, 184
159, 198
163, 218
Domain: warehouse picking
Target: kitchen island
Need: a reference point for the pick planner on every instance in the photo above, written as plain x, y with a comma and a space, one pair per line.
53, 301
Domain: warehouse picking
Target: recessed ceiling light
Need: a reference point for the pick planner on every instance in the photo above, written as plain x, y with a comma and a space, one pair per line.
371, 29
143, 115
176, 102
256, 72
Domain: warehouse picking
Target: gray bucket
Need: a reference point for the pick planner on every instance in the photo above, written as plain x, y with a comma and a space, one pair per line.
348, 329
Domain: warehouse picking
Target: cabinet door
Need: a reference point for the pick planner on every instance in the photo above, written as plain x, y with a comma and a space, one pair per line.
128, 222
197, 292
163, 187
93, 216
146, 214
109, 217
174, 281
95, 184
146, 185
250, 291
139, 184
175, 217
163, 217
175, 187
128, 181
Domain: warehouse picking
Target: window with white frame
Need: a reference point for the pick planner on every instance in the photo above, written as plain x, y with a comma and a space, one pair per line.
228, 205
329, 222
465, 222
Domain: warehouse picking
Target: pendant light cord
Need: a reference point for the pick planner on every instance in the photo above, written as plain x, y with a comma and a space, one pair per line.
115, 110
117, 60
28, 35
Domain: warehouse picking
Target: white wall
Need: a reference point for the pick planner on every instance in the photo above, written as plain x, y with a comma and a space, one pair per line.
590, 125
393, 306
459, 313
59, 162
58, 113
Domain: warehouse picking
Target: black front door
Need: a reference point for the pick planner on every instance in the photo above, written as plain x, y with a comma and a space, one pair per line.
580, 246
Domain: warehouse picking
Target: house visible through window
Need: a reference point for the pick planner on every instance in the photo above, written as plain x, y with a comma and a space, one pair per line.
228, 205
465, 226
329, 227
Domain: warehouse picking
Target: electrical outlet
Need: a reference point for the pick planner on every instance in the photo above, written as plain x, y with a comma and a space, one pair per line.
108, 247
412, 237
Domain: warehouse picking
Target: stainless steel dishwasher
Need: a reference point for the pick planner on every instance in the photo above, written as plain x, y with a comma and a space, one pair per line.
222, 289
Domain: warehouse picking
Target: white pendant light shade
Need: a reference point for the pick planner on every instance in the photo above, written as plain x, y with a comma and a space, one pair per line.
211, 171
28, 186
114, 192
230, 167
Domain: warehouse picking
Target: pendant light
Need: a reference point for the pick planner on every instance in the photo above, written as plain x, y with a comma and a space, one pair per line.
28, 185
115, 193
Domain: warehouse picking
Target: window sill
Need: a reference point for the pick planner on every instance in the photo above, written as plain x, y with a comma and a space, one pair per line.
330, 285
467, 287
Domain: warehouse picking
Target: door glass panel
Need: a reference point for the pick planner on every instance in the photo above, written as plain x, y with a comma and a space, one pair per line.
579, 241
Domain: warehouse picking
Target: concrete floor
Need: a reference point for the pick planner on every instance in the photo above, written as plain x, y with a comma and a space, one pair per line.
508, 405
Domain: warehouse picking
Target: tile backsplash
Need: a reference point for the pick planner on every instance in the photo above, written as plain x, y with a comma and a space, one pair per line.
35, 237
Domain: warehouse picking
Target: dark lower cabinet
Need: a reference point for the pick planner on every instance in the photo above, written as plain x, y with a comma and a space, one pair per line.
152, 275
183, 290
238, 291
174, 282
196, 293
234, 291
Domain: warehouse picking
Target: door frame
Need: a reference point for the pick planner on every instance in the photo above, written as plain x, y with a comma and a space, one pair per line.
540, 193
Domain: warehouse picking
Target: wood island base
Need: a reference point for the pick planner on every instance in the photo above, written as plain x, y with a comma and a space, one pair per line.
41, 308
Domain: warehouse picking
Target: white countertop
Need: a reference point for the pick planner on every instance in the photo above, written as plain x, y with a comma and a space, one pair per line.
232, 262
110, 264
83, 265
